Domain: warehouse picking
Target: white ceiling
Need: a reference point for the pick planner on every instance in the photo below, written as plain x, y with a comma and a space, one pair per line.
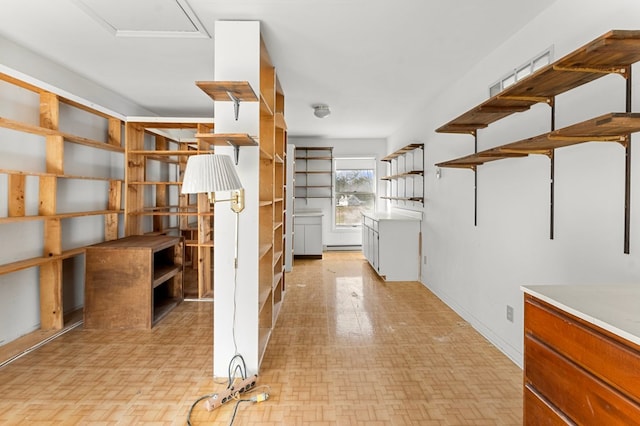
372, 61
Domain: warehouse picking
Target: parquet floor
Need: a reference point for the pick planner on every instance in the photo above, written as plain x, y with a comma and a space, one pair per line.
348, 349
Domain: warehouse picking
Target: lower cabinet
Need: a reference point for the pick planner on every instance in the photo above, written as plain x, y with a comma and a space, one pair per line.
132, 282
391, 244
575, 372
307, 235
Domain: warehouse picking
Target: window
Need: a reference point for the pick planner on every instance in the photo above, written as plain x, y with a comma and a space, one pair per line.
522, 71
355, 184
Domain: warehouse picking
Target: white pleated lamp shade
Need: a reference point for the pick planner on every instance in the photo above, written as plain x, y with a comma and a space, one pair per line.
209, 173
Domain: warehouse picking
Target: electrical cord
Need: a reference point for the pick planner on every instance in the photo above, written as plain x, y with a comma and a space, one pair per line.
211, 395
237, 359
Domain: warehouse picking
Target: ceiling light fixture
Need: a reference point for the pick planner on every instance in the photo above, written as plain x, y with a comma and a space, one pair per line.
321, 110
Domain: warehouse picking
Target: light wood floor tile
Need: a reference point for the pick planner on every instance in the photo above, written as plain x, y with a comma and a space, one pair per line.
347, 349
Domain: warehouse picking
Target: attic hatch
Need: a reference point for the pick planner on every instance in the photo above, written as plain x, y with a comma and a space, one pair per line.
145, 18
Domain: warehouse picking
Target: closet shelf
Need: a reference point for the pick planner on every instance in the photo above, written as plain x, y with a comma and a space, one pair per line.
613, 52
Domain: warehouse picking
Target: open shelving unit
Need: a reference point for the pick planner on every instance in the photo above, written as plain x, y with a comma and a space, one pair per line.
406, 181
133, 282
56, 111
611, 53
314, 172
151, 145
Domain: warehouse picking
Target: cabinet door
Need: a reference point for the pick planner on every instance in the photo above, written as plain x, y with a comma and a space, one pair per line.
365, 241
313, 239
375, 249
298, 239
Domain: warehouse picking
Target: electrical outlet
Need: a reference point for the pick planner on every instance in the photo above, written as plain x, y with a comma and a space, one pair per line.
424, 260
510, 313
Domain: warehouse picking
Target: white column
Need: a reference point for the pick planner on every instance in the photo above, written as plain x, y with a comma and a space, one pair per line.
237, 58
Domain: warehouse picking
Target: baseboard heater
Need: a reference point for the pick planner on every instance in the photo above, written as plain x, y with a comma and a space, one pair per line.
344, 248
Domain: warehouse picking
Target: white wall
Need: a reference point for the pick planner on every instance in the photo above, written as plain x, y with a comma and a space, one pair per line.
344, 148
478, 271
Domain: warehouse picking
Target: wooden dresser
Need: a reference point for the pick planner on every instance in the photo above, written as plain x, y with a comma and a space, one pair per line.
582, 355
132, 282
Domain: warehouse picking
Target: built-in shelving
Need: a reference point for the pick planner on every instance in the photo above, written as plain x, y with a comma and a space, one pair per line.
261, 167
54, 156
611, 53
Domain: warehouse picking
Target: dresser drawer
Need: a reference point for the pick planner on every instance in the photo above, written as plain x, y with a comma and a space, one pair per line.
539, 412
584, 398
598, 353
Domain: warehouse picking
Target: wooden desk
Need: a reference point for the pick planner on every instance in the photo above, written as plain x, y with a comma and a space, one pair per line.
132, 282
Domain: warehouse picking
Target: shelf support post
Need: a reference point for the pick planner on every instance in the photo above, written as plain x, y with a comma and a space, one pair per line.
552, 171
627, 167
475, 180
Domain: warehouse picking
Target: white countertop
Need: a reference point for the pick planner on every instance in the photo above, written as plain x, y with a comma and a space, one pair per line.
390, 216
615, 308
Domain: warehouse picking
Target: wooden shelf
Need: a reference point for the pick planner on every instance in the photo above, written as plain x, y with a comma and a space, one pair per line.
42, 131
402, 151
613, 52
14, 219
407, 165
313, 158
57, 175
279, 121
163, 273
220, 90
611, 127
156, 183
263, 250
37, 261
402, 175
26, 128
224, 139
419, 199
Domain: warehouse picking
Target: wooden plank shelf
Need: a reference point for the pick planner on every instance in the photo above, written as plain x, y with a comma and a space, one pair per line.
402, 175
57, 175
37, 261
224, 139
279, 121
402, 151
42, 131
7, 123
13, 219
220, 90
263, 250
418, 199
613, 52
612, 127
